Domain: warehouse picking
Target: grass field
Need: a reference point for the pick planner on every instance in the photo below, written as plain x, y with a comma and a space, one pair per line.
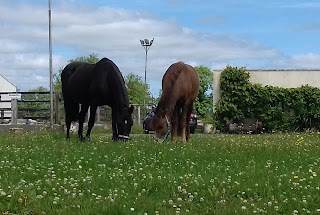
41, 173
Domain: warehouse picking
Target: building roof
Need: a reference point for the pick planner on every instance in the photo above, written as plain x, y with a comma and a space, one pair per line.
6, 80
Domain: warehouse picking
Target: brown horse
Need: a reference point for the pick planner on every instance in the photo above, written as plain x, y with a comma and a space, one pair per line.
180, 87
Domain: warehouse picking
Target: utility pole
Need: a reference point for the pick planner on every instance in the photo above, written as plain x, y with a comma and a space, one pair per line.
146, 45
50, 68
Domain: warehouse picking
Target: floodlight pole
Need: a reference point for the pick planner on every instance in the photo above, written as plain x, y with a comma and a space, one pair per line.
50, 67
146, 45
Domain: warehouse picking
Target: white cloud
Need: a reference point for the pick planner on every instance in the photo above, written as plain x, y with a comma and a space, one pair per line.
306, 61
78, 30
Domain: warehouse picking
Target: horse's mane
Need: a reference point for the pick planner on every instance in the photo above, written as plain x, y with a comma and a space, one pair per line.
172, 75
169, 80
119, 88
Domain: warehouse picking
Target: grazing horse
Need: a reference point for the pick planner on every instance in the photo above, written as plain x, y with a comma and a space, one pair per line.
93, 85
180, 87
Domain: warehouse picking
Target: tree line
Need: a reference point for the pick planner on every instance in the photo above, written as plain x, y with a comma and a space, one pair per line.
137, 89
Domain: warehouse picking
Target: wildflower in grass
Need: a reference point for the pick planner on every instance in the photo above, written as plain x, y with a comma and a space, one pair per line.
295, 212
243, 207
131, 209
39, 197
2, 193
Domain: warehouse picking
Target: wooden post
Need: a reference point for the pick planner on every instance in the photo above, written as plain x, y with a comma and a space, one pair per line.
56, 108
139, 120
2, 116
14, 109
98, 118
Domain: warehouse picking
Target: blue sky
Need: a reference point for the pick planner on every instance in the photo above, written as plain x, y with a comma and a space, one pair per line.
214, 33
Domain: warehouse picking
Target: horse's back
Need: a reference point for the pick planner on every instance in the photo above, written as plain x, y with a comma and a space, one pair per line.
183, 79
93, 83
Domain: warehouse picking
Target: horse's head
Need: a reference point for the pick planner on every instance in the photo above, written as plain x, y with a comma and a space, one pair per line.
161, 125
124, 124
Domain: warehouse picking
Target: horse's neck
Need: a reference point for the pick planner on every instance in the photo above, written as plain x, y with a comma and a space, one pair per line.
168, 104
120, 94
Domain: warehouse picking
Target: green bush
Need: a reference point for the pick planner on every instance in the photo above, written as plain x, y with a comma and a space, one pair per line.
280, 109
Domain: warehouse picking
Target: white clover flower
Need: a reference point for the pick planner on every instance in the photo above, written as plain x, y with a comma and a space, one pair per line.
131, 209
243, 207
39, 196
2, 193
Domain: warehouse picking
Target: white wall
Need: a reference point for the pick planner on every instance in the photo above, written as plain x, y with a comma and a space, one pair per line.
6, 86
279, 78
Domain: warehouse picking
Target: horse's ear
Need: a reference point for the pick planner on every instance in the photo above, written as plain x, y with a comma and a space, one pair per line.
131, 108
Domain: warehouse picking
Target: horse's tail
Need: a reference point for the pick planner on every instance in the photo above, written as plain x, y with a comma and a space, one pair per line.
71, 107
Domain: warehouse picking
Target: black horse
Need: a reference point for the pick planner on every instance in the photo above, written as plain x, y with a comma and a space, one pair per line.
93, 85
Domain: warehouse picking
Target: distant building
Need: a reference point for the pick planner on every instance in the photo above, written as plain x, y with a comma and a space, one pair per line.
6, 87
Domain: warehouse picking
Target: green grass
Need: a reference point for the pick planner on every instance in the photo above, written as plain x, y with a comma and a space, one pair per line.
41, 173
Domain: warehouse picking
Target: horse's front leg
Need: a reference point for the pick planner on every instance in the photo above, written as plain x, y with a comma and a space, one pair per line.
184, 122
82, 115
115, 132
92, 119
175, 124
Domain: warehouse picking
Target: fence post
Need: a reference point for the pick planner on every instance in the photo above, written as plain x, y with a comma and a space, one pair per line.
14, 109
56, 108
2, 116
139, 120
98, 115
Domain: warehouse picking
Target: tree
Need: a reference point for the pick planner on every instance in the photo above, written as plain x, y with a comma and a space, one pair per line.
92, 58
137, 90
203, 104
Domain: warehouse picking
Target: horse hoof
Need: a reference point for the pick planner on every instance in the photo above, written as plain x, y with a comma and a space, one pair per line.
83, 139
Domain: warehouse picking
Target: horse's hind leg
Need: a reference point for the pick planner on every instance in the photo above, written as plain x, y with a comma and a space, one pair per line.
92, 119
188, 122
68, 124
82, 115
